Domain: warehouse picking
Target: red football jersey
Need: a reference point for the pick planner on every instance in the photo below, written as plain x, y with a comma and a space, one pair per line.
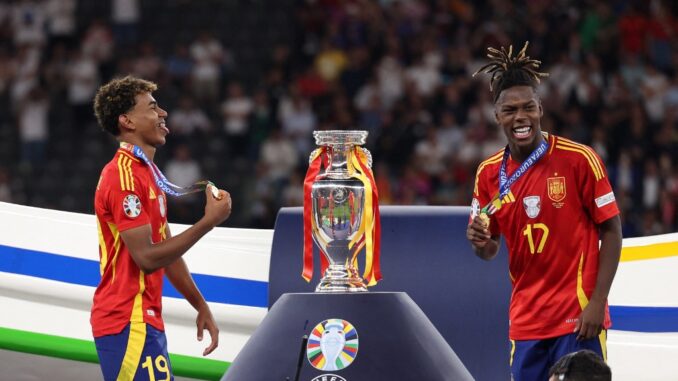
126, 197
549, 222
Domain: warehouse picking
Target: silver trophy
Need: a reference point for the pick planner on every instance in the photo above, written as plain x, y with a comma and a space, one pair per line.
338, 199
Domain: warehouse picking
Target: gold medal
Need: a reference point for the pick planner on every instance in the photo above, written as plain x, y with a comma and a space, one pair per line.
215, 191
485, 218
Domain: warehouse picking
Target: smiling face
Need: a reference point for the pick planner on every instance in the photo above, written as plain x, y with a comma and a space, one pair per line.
518, 112
146, 120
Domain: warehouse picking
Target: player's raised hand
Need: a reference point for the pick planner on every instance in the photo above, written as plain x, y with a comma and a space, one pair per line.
217, 205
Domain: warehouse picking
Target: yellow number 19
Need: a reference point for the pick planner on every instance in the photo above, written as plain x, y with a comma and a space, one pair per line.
160, 365
528, 232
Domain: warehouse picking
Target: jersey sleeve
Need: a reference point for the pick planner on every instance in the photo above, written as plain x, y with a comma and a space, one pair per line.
127, 201
597, 195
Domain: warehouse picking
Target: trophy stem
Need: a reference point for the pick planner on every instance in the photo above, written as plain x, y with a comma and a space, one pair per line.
341, 275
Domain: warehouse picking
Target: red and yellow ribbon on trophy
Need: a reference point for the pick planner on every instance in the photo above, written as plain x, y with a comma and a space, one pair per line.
369, 231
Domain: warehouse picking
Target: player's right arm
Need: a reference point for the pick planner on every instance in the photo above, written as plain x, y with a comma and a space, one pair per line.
151, 256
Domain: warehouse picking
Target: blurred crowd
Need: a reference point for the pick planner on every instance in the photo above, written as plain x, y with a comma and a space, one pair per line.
400, 69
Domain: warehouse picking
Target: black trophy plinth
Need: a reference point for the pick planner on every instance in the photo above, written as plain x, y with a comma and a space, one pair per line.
395, 340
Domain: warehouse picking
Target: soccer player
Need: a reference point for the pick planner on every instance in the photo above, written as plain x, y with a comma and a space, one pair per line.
136, 247
551, 199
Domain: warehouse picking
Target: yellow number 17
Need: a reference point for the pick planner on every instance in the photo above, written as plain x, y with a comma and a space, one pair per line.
528, 232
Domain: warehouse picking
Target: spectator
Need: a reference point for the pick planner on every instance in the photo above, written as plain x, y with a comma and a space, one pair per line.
147, 64
424, 75
61, 21
330, 61
126, 15
8, 67
53, 69
28, 23
33, 128
208, 56
653, 88
98, 42
430, 154
236, 110
293, 193
298, 121
179, 65
83, 79
26, 74
188, 120
260, 123
279, 159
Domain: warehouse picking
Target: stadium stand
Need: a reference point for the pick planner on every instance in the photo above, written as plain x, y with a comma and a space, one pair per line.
397, 68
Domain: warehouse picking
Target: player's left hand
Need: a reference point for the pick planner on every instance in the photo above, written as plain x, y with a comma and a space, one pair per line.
205, 320
590, 322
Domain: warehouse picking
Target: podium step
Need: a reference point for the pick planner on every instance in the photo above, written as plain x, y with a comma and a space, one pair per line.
353, 337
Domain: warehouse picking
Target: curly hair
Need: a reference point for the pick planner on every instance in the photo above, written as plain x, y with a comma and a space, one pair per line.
583, 365
118, 97
508, 70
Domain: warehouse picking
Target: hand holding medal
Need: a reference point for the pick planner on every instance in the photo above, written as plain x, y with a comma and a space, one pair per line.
485, 219
215, 191
478, 231
217, 205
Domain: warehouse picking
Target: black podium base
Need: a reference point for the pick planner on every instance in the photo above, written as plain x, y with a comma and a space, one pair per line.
385, 336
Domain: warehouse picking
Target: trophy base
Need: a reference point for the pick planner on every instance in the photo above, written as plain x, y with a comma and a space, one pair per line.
395, 340
341, 279
341, 285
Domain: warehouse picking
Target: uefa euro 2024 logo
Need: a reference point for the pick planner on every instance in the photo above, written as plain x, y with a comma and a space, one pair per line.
332, 345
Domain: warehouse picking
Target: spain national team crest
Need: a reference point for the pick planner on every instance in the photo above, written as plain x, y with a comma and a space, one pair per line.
131, 206
332, 345
556, 188
532, 205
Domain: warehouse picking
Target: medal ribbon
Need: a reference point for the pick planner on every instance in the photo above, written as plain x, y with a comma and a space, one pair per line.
505, 182
160, 179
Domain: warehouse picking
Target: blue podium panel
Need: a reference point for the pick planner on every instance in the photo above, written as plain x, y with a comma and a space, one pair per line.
352, 337
425, 254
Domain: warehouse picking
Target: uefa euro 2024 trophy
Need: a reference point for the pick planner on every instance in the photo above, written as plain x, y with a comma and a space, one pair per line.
341, 212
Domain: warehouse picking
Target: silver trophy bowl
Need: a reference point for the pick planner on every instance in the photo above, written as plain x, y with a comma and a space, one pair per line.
338, 199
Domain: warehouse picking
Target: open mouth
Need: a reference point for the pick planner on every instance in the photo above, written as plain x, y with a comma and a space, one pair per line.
163, 127
522, 132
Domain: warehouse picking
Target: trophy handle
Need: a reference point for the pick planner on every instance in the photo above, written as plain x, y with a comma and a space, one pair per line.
312, 155
369, 156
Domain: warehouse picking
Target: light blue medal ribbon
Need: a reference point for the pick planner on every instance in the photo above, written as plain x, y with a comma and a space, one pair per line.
505, 182
160, 179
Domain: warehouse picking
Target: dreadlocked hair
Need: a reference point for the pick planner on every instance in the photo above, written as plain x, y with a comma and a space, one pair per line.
508, 70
